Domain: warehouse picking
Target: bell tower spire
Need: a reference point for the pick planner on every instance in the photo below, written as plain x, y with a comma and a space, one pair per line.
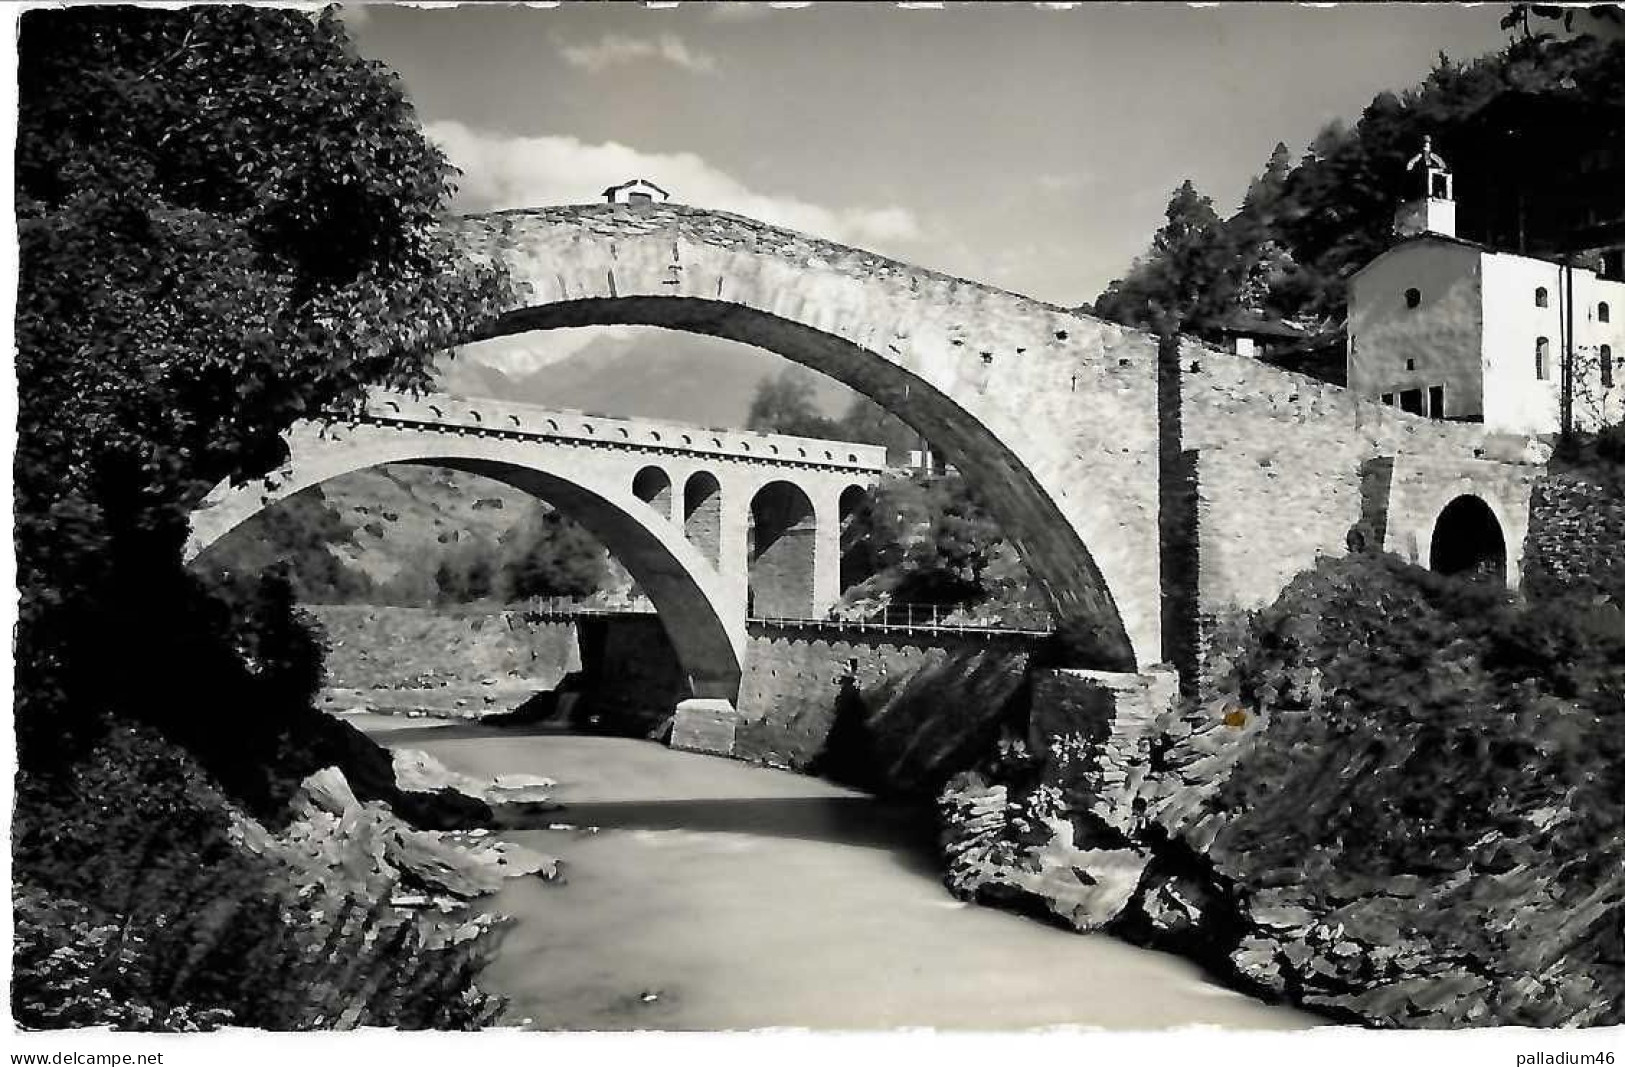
1430, 196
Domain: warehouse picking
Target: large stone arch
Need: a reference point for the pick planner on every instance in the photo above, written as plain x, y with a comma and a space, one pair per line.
1053, 416
688, 594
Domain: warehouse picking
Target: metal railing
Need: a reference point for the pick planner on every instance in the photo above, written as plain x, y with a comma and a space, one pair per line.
569, 607
929, 618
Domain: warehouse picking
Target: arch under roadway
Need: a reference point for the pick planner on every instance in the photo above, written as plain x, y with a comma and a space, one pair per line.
693, 600
1051, 415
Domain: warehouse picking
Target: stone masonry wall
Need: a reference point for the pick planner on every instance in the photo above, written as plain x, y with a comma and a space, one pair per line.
1576, 537
886, 709
404, 648
1284, 469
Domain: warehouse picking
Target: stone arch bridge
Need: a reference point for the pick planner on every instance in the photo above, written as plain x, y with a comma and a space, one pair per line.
713, 524
1156, 491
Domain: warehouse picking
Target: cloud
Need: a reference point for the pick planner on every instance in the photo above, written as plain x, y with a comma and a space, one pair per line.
613, 50
502, 171
743, 11
1068, 182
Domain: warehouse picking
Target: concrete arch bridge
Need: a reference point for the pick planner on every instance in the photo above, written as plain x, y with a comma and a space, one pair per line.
713, 524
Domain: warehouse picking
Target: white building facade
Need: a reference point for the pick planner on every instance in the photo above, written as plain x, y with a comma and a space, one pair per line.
1447, 328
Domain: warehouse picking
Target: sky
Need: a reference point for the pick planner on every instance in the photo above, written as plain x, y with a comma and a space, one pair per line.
1032, 147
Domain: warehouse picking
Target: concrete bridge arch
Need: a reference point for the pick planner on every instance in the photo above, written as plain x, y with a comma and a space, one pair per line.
692, 597
1054, 417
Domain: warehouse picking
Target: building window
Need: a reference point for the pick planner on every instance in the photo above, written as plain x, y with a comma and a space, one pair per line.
1602, 312
1411, 400
1540, 297
1605, 355
1543, 363
1410, 364
1388, 398
1413, 297
1436, 401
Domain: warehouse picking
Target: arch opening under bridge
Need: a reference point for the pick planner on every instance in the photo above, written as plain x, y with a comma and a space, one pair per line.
984, 375
688, 594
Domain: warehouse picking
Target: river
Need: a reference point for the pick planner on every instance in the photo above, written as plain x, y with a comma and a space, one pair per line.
705, 894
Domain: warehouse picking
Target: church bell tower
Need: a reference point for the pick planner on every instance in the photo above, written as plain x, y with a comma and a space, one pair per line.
1430, 201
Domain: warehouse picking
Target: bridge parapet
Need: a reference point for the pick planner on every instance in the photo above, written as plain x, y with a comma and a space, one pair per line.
435, 411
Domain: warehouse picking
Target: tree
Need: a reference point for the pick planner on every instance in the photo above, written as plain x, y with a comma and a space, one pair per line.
300, 535
1302, 231
1187, 282
546, 554
227, 221
786, 403
931, 541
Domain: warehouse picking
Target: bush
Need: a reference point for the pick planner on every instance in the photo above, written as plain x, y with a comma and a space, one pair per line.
136, 909
1426, 726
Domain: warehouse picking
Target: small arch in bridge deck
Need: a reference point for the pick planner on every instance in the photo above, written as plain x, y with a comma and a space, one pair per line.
702, 514
1467, 539
854, 568
653, 486
781, 552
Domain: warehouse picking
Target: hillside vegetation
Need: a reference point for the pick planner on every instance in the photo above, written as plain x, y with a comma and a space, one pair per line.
1441, 775
1305, 226
411, 536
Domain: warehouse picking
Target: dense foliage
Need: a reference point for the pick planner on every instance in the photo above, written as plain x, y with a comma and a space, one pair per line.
928, 540
918, 540
297, 537
544, 555
1433, 728
227, 220
1304, 228
136, 908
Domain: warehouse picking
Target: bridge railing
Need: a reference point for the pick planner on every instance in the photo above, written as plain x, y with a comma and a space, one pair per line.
931, 618
926, 618
565, 607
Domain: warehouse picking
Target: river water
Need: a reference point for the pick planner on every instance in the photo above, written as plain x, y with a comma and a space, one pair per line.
714, 895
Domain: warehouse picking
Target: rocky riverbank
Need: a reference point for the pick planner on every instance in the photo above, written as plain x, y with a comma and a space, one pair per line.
1398, 856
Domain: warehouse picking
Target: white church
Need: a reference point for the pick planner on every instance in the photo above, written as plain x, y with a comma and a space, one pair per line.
1449, 328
